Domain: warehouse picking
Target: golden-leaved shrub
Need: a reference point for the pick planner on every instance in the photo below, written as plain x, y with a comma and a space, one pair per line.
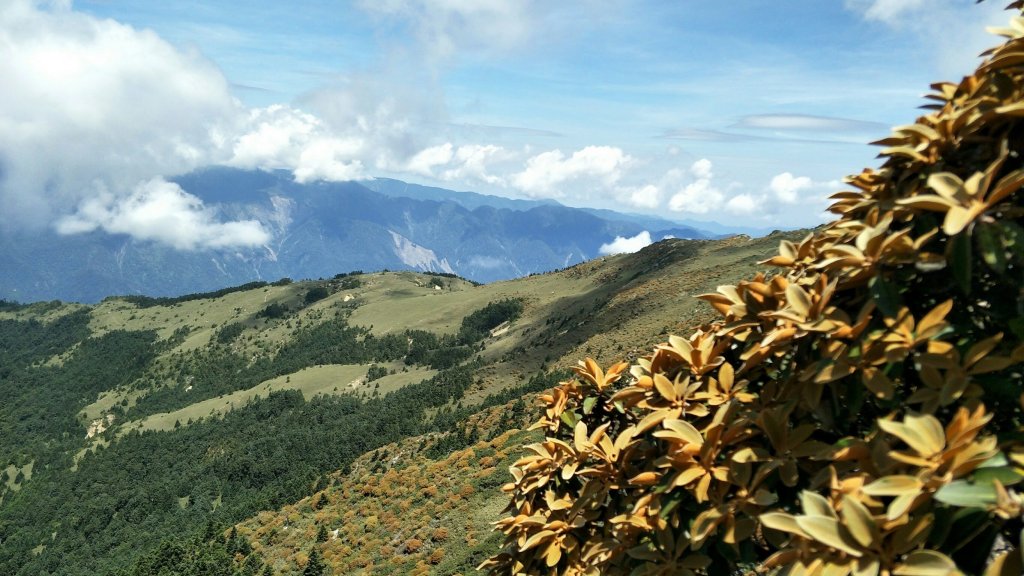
857, 413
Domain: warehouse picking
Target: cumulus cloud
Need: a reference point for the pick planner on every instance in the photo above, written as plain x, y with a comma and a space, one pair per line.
699, 196
330, 159
424, 161
701, 169
161, 211
473, 162
89, 109
648, 196
787, 187
745, 204
88, 100
621, 245
545, 172
284, 137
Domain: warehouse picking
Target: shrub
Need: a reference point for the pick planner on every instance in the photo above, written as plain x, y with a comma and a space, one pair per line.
315, 294
477, 324
413, 545
857, 413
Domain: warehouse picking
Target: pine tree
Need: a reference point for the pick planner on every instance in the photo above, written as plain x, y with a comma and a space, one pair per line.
321, 535
315, 567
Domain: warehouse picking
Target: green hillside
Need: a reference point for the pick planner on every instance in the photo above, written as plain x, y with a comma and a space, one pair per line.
141, 427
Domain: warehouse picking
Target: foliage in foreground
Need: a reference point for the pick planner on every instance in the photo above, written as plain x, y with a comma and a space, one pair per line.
857, 414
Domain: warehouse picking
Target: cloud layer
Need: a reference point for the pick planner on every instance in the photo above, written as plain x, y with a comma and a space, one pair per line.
91, 107
94, 113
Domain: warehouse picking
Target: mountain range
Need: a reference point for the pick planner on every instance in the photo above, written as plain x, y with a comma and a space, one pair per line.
318, 230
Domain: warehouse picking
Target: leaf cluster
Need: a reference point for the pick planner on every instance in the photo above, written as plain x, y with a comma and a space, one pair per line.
857, 413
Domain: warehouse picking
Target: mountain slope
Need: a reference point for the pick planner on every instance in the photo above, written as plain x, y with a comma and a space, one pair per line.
142, 419
317, 230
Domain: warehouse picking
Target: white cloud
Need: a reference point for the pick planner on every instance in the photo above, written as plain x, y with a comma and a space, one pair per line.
701, 169
424, 161
807, 122
648, 196
700, 196
284, 137
473, 161
787, 187
273, 138
87, 100
623, 245
331, 159
161, 211
745, 204
546, 171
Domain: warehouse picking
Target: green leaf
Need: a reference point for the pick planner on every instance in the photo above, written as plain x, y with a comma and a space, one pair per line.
670, 503
991, 247
570, 419
960, 259
998, 468
588, 404
966, 495
886, 296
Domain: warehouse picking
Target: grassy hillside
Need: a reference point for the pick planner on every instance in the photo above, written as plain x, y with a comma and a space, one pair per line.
139, 421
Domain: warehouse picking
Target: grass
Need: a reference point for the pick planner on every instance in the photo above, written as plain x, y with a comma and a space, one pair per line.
12, 473
326, 379
201, 317
611, 308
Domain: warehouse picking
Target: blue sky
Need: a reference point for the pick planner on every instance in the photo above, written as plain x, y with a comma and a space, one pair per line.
747, 112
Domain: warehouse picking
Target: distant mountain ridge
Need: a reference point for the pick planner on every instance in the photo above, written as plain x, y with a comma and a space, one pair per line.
319, 230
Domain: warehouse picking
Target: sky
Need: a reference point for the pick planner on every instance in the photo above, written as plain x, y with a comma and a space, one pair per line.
748, 112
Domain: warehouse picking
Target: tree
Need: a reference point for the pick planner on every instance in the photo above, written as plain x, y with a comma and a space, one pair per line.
315, 566
314, 294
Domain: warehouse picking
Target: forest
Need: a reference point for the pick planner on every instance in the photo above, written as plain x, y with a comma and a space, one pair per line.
156, 502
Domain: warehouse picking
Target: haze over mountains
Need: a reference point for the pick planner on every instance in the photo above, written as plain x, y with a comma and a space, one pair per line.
321, 229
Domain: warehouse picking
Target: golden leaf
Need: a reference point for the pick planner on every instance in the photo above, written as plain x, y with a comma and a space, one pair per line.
859, 522
926, 563
894, 486
828, 531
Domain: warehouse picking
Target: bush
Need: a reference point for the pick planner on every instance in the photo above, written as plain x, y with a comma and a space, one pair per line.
857, 413
273, 310
315, 294
350, 283
376, 372
476, 325
229, 332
